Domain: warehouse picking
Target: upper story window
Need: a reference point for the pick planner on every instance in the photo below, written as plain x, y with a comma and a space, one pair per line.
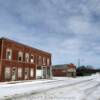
32, 59
44, 61
48, 61
9, 54
26, 57
40, 60
20, 56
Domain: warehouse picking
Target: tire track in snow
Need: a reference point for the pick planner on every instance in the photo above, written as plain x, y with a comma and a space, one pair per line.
90, 91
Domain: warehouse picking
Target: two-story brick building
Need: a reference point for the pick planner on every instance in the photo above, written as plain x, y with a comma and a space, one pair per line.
22, 62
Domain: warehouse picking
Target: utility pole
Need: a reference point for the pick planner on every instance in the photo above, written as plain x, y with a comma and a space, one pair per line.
78, 62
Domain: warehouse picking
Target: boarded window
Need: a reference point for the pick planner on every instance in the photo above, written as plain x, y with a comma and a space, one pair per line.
19, 72
32, 72
7, 73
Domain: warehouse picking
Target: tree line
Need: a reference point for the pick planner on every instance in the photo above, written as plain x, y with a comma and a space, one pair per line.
86, 70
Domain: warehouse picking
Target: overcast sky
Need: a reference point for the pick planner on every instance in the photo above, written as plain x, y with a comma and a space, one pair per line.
69, 29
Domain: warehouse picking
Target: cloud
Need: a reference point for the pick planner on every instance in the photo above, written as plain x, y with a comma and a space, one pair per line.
78, 25
68, 29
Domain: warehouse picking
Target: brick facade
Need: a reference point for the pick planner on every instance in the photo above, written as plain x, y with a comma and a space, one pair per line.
24, 67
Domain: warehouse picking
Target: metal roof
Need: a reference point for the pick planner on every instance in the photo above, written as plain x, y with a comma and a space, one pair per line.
63, 66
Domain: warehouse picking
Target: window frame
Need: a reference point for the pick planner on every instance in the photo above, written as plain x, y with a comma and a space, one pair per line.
32, 60
27, 55
7, 56
20, 54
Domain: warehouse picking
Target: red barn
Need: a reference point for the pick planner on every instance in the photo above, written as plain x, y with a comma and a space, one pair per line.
22, 62
64, 70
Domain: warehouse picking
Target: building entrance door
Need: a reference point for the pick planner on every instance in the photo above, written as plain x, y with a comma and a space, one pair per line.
14, 73
26, 73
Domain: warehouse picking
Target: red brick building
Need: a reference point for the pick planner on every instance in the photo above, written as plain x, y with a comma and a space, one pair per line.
21, 62
68, 70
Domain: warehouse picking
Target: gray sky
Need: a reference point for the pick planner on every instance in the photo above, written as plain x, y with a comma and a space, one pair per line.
69, 29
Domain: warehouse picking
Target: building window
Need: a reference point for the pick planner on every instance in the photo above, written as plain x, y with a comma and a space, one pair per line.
40, 60
7, 73
27, 57
44, 61
20, 56
32, 72
19, 72
48, 61
9, 54
32, 59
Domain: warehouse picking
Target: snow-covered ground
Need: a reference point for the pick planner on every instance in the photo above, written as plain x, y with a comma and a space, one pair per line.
63, 88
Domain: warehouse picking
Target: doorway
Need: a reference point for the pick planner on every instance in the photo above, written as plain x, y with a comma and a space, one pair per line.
14, 73
26, 73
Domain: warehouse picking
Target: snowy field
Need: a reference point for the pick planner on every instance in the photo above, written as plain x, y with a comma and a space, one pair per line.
81, 88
